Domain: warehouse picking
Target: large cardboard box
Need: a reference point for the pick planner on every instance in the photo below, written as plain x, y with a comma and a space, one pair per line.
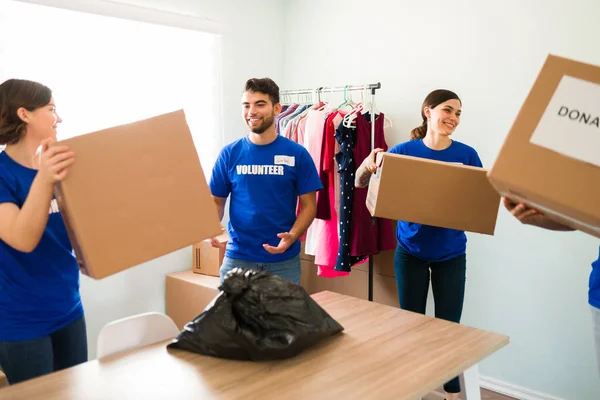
207, 259
135, 192
188, 294
433, 193
550, 159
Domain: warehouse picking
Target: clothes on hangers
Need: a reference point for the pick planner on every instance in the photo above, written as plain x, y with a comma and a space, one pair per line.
326, 168
300, 123
290, 109
366, 237
321, 239
328, 228
346, 137
313, 141
336, 238
284, 123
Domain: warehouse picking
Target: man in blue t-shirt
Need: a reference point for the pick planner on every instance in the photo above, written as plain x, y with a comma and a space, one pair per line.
534, 217
264, 174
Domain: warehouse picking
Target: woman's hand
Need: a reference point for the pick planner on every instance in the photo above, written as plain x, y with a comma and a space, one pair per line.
53, 162
366, 169
371, 161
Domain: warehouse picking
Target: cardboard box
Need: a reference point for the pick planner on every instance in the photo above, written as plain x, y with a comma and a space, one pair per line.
385, 290
383, 264
3, 381
188, 294
433, 193
135, 192
208, 259
550, 159
355, 284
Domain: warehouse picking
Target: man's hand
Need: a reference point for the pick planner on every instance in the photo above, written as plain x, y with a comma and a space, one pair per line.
531, 216
521, 212
217, 241
287, 239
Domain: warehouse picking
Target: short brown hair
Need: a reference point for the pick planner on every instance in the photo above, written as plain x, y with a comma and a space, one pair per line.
263, 85
432, 100
14, 94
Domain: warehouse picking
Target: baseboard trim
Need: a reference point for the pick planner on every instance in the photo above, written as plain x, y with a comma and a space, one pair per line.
511, 390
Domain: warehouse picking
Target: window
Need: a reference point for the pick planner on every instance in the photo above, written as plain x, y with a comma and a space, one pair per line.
106, 71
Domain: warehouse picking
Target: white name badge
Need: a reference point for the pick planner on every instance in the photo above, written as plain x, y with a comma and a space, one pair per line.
571, 123
285, 160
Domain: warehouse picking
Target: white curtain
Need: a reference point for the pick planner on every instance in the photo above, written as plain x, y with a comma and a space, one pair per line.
106, 71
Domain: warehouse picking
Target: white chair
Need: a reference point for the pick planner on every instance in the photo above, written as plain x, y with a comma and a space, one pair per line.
133, 332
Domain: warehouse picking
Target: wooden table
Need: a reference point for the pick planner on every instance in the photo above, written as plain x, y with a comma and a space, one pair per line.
384, 353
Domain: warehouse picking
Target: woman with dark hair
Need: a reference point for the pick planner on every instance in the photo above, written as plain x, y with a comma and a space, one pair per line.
427, 251
42, 326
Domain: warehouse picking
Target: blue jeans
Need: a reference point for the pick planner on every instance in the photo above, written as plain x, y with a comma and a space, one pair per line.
447, 282
288, 269
28, 359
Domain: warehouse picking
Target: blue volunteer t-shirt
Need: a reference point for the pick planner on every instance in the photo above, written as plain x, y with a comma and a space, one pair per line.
429, 242
39, 291
264, 182
594, 293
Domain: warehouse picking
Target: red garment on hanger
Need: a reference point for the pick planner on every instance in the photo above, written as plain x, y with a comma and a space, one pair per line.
327, 248
366, 238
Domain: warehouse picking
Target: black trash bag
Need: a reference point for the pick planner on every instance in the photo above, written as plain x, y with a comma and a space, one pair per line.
257, 316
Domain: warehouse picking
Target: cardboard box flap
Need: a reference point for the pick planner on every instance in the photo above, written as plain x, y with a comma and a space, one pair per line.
135, 192
379, 158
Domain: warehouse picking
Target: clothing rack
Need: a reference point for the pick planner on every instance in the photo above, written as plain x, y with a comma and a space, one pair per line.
372, 87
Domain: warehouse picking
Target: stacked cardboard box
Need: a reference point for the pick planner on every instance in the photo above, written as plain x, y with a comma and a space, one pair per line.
207, 259
188, 294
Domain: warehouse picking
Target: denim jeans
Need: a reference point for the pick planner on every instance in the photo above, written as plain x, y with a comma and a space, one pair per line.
447, 282
28, 359
288, 269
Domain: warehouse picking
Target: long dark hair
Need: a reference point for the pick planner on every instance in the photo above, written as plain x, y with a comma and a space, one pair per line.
14, 94
432, 100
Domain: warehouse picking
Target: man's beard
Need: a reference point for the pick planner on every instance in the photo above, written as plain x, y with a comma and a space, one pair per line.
266, 124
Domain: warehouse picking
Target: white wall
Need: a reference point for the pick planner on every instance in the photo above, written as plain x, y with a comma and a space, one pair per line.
252, 46
524, 282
